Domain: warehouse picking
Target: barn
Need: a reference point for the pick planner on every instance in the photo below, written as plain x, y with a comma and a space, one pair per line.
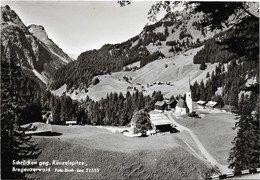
160, 105
201, 104
160, 123
229, 108
171, 104
211, 104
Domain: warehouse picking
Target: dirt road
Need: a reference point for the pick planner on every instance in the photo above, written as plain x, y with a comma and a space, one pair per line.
223, 169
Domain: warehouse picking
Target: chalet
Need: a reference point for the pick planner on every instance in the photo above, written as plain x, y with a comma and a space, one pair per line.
181, 107
211, 104
70, 123
201, 104
229, 108
160, 105
160, 123
171, 104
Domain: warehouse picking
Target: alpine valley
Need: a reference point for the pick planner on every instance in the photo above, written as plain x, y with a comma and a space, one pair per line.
160, 105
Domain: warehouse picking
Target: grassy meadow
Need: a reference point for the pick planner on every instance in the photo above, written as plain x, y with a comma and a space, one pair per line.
214, 130
118, 156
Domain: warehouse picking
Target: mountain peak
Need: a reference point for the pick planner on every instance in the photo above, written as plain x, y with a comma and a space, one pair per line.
10, 18
39, 32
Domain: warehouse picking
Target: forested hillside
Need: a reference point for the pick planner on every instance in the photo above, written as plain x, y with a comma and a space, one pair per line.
175, 33
238, 72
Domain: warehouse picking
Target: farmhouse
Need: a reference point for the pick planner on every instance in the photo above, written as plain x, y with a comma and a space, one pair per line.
70, 123
160, 105
171, 104
201, 104
211, 104
160, 123
229, 108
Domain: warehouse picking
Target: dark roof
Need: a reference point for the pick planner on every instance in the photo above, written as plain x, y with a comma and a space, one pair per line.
172, 101
229, 108
160, 103
181, 103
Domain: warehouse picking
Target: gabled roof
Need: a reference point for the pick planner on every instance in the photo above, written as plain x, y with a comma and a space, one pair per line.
229, 108
201, 102
159, 119
160, 103
211, 103
181, 103
172, 101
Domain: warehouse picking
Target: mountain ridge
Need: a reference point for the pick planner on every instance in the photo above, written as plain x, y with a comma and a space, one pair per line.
43, 60
165, 38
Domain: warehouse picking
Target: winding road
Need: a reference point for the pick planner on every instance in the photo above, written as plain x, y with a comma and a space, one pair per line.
223, 169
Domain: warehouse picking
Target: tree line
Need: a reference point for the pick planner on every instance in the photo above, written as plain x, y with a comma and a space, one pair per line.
115, 109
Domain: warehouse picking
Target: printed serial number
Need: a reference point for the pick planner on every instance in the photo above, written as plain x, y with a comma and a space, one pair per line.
92, 170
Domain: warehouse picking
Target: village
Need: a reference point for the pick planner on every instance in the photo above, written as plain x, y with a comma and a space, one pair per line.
161, 118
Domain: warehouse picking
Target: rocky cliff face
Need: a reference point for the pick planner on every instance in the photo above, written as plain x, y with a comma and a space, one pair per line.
34, 49
39, 32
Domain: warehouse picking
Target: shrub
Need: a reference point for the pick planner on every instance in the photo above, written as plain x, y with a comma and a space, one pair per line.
96, 81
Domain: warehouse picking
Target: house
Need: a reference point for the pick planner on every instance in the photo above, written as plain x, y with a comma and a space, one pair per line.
171, 104
181, 108
160, 123
160, 105
211, 104
70, 123
229, 108
201, 104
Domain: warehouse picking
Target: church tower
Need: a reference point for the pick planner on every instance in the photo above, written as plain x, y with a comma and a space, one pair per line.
189, 99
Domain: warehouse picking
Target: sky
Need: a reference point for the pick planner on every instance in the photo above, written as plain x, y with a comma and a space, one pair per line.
77, 26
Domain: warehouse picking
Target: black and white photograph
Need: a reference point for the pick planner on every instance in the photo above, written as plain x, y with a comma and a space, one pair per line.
130, 90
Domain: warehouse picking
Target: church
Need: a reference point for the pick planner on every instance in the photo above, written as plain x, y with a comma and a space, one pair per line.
184, 107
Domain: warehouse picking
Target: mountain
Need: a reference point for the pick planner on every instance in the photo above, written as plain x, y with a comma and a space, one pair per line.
39, 32
175, 33
37, 53
74, 56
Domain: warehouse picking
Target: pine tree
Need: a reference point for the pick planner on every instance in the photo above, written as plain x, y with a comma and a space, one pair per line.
56, 110
15, 144
202, 66
246, 151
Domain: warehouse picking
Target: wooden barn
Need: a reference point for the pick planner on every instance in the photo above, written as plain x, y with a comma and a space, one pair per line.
171, 104
161, 123
211, 104
160, 105
201, 104
229, 108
